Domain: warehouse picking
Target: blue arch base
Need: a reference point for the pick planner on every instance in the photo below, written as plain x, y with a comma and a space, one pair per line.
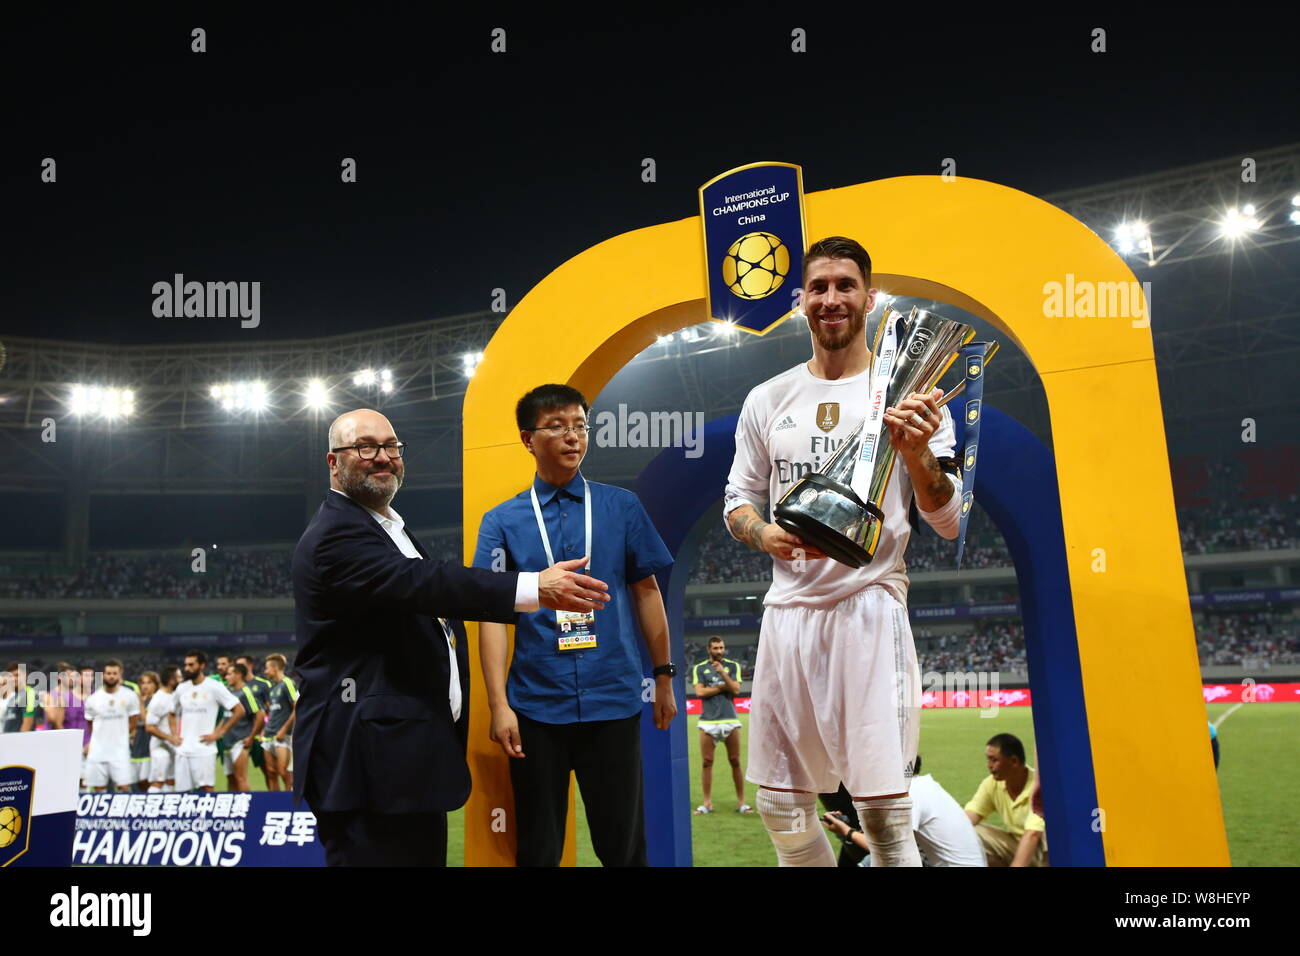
1016, 486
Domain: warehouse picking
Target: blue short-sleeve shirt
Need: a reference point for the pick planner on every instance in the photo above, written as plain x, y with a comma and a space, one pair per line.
563, 687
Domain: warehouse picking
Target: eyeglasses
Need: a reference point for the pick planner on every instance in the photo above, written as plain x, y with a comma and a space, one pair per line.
394, 449
560, 431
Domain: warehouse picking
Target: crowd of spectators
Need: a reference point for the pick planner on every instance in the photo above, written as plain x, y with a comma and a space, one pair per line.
30, 627
248, 573
1231, 525
1230, 636
227, 573
1248, 638
991, 645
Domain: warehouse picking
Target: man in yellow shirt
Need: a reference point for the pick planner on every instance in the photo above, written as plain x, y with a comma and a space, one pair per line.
1009, 790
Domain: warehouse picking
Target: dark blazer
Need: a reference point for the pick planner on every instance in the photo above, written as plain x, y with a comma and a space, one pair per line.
374, 728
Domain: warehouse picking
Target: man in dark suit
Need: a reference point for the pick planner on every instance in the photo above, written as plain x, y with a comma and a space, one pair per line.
383, 710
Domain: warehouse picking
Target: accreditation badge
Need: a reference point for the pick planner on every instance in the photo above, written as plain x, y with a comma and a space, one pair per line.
577, 630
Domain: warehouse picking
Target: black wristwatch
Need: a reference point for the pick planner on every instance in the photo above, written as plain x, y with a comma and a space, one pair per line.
669, 669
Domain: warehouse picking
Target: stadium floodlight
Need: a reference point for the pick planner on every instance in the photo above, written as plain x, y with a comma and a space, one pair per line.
1236, 223
106, 402
1295, 216
1132, 236
316, 396
471, 360
1295, 200
663, 339
364, 377
242, 396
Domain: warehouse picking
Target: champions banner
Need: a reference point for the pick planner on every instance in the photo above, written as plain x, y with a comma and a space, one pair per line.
754, 241
194, 829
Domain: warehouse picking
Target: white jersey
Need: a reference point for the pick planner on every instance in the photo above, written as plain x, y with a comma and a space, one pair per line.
791, 425
110, 737
160, 705
196, 706
944, 833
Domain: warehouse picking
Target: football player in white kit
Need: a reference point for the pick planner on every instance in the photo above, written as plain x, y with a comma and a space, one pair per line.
162, 743
836, 691
111, 715
197, 701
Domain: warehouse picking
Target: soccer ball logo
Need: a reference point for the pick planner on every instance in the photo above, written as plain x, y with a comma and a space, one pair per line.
11, 824
755, 265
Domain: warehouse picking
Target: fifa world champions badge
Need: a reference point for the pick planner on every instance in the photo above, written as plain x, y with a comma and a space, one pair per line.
754, 238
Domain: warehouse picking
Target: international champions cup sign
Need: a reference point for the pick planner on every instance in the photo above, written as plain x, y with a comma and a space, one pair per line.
195, 829
753, 244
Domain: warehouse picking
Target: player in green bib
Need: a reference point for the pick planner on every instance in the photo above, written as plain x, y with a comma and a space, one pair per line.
717, 682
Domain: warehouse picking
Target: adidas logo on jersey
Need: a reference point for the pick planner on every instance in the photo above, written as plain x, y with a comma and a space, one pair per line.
786, 422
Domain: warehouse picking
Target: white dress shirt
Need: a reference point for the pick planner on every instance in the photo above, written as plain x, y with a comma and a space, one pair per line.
525, 594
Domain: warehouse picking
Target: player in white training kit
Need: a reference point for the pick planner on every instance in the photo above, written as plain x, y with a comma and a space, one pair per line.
111, 715
196, 703
162, 744
836, 692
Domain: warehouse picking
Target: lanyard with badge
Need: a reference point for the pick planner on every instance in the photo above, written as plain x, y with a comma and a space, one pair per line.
577, 629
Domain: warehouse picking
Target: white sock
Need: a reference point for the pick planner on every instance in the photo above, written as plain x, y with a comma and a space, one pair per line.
887, 825
797, 834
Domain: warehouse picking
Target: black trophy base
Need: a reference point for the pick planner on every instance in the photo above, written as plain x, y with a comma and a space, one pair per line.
806, 508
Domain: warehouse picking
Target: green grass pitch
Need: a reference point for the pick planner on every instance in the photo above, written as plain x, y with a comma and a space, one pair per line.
1259, 773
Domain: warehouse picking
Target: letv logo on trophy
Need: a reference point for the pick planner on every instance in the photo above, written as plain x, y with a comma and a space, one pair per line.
208, 300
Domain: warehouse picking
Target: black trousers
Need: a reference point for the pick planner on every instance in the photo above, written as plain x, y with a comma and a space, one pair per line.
366, 838
606, 757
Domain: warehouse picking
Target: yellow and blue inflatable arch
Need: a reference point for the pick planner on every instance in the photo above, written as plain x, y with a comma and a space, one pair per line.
994, 252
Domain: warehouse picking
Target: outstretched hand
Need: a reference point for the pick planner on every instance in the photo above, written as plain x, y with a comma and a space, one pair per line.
562, 588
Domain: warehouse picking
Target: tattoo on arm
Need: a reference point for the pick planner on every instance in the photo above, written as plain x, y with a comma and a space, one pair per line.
748, 526
935, 482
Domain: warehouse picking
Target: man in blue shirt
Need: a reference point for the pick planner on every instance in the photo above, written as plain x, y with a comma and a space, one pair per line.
573, 698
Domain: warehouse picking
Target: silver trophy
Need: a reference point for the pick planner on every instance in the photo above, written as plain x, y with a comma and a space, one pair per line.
822, 508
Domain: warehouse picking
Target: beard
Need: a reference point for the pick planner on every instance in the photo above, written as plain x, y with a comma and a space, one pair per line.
833, 340
362, 484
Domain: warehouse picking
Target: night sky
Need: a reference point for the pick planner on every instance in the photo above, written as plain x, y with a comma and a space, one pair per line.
479, 170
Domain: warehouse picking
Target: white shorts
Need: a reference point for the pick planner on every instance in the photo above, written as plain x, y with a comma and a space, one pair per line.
720, 731
162, 764
279, 749
194, 772
836, 697
141, 765
232, 754
99, 772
